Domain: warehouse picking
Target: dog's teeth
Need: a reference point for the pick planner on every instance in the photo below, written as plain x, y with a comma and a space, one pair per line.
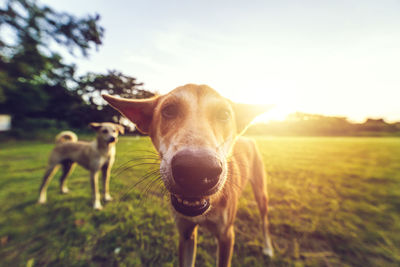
190, 203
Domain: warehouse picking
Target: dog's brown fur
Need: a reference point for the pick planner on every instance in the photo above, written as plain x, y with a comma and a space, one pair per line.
195, 118
94, 156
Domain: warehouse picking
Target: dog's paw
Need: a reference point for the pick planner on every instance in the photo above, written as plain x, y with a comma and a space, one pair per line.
108, 198
97, 206
41, 201
268, 252
64, 190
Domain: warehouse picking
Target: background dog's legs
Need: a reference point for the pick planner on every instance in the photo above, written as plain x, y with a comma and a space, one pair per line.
48, 175
187, 242
106, 170
258, 183
225, 247
94, 181
67, 168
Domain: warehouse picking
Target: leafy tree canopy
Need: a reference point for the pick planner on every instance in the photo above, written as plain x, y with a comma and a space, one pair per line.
35, 82
92, 85
27, 62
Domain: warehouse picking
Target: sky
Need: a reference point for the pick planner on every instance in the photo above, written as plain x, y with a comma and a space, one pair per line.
336, 58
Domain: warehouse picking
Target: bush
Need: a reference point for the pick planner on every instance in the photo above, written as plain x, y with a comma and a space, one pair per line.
36, 128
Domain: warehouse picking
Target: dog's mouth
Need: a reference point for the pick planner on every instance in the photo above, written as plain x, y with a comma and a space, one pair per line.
112, 140
190, 206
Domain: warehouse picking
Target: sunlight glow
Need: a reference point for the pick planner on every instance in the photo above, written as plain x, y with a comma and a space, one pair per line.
277, 113
281, 106
334, 58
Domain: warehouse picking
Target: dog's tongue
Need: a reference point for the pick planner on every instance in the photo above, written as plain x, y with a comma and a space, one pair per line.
190, 206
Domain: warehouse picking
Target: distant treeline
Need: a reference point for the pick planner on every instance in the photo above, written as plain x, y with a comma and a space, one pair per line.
303, 124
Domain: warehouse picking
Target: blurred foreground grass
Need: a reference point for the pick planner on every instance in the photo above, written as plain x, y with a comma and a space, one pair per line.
333, 202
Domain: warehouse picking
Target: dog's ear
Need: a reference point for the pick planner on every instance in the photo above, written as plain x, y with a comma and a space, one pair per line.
246, 113
139, 111
95, 125
120, 128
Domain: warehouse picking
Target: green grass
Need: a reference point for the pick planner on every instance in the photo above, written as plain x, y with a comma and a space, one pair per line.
333, 202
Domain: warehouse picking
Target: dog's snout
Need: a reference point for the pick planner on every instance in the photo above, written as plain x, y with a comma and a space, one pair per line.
112, 139
196, 171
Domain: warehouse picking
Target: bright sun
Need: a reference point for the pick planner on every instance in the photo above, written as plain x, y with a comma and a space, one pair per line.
278, 112
280, 107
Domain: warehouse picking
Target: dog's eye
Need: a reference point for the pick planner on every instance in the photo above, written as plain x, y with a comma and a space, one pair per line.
170, 111
223, 115
104, 131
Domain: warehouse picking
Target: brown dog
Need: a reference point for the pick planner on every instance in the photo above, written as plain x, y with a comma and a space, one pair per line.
94, 156
204, 164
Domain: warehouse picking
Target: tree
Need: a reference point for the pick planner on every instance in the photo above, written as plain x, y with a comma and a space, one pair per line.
31, 73
92, 85
36, 86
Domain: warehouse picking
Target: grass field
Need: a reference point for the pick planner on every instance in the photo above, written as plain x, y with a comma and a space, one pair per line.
333, 202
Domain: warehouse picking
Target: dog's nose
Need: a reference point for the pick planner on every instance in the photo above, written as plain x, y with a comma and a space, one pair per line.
112, 139
196, 171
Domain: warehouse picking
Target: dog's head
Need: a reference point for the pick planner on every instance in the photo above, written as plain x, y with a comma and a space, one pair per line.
107, 132
193, 128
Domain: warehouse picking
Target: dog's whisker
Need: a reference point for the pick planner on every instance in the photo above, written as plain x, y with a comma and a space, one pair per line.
146, 191
151, 153
125, 192
141, 180
146, 176
134, 166
137, 159
148, 187
146, 150
133, 160
128, 167
131, 168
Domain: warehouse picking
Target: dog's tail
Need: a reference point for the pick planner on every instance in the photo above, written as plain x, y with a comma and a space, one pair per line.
66, 136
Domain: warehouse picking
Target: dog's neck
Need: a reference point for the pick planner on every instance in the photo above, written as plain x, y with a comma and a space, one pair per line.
102, 145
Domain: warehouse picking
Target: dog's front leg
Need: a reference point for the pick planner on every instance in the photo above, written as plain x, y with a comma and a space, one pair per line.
226, 241
94, 181
187, 242
106, 170
46, 180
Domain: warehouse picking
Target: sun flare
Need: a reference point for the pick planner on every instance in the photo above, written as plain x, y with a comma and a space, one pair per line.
278, 112
281, 107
